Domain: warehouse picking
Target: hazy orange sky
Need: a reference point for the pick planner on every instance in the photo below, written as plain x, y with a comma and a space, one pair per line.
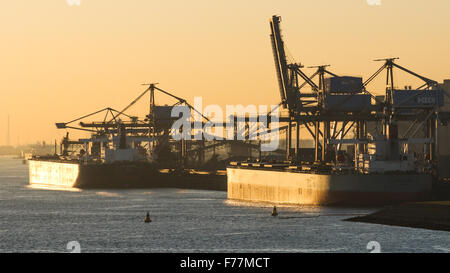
60, 61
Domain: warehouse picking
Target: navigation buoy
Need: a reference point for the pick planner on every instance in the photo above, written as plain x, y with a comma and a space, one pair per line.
147, 218
274, 211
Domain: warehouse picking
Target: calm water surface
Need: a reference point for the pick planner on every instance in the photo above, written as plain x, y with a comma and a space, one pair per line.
38, 220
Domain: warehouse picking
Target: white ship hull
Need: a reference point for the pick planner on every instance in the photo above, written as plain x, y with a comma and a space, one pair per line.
298, 188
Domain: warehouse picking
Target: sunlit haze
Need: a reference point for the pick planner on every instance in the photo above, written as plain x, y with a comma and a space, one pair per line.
61, 61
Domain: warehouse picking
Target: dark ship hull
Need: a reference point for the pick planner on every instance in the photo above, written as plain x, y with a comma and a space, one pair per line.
61, 174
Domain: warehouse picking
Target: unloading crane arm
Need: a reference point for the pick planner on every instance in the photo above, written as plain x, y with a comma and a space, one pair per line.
108, 111
279, 58
427, 81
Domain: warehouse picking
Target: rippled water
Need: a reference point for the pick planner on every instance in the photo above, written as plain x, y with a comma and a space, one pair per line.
37, 220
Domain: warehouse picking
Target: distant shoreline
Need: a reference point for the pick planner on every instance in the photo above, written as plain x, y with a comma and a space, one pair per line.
23, 149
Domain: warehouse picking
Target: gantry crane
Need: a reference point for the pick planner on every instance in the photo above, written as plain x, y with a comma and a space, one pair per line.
329, 114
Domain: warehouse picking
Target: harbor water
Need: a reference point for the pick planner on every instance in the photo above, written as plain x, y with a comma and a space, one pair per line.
54, 220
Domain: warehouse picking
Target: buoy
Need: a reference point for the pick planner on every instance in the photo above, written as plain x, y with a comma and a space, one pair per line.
147, 218
274, 211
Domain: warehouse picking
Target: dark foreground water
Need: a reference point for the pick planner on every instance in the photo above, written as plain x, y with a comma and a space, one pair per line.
37, 220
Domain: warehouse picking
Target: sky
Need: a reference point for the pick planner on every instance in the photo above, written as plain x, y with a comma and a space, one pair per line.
61, 61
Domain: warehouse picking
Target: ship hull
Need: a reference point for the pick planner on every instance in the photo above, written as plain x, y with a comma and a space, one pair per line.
60, 174
300, 188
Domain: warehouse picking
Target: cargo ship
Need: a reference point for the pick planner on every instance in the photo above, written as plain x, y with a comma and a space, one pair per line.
124, 151
368, 149
48, 173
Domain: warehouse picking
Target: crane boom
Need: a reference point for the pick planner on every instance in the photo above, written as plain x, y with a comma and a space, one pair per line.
279, 57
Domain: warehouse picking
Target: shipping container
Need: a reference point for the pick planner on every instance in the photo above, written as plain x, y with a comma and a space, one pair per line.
343, 85
162, 112
347, 103
418, 98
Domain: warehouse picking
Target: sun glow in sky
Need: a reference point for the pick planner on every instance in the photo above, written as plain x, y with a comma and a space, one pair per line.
60, 61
